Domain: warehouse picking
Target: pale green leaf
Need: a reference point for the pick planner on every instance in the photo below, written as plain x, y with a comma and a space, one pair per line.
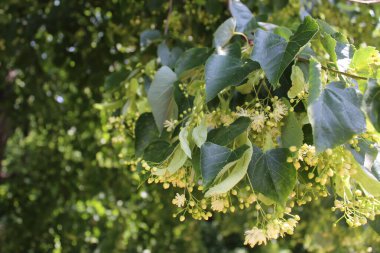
237, 174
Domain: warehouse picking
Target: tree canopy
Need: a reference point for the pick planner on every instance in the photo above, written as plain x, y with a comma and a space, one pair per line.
193, 126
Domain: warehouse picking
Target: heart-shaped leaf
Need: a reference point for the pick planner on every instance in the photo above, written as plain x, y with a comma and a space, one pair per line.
271, 175
224, 135
275, 54
214, 157
145, 132
238, 171
241, 13
224, 33
335, 115
160, 97
190, 59
225, 70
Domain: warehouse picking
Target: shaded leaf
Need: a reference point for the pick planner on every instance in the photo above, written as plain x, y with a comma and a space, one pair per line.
224, 135
225, 70
275, 54
372, 103
271, 175
237, 174
190, 59
168, 57
145, 132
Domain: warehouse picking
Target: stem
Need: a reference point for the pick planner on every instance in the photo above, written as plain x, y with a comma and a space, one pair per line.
335, 71
168, 17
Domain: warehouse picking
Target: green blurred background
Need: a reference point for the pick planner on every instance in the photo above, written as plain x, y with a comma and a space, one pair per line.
63, 187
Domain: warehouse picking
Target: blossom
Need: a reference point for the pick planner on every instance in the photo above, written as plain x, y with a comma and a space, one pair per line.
169, 125
258, 122
243, 113
273, 230
255, 236
217, 204
179, 200
279, 111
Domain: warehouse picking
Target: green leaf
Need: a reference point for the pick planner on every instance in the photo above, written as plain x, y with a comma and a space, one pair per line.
375, 224
225, 70
214, 158
199, 134
315, 83
367, 179
275, 54
168, 57
241, 13
190, 59
362, 62
160, 97
184, 141
298, 82
366, 156
157, 151
224, 135
335, 116
114, 80
271, 175
291, 132
237, 174
372, 103
178, 160
145, 133
149, 36
224, 33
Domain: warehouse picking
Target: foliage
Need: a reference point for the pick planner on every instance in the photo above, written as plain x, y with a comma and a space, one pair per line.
101, 97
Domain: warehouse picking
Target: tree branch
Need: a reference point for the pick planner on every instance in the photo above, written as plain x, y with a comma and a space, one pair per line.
335, 71
366, 1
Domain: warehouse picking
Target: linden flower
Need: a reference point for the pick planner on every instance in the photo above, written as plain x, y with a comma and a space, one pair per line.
273, 230
217, 204
243, 113
280, 110
179, 200
258, 122
255, 236
169, 125
226, 120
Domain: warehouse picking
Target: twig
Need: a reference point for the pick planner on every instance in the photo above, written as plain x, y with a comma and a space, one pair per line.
366, 1
168, 17
335, 71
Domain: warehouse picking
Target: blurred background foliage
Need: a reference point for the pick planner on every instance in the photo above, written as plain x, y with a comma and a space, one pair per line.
63, 187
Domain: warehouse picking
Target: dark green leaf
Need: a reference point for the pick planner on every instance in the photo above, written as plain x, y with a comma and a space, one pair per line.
372, 103
375, 224
271, 175
157, 151
275, 54
145, 132
291, 132
225, 70
214, 157
335, 115
160, 97
224, 135
114, 80
190, 59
